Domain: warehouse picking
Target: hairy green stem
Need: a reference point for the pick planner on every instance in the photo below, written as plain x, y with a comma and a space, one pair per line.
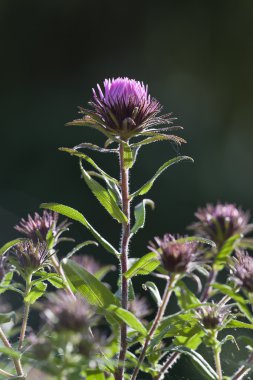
166, 297
5, 373
25, 313
216, 352
16, 361
124, 174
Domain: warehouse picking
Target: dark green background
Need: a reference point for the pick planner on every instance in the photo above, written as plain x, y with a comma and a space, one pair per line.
196, 56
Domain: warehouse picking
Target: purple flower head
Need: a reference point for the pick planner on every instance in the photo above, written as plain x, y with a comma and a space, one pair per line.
176, 256
37, 227
125, 108
242, 270
28, 257
140, 307
213, 316
88, 263
220, 222
63, 312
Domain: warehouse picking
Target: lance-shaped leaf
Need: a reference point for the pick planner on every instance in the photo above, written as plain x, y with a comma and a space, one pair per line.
87, 285
83, 156
147, 186
37, 291
226, 250
76, 215
9, 245
143, 266
95, 147
128, 318
151, 286
196, 239
95, 374
185, 298
160, 137
80, 246
234, 324
201, 364
103, 196
140, 214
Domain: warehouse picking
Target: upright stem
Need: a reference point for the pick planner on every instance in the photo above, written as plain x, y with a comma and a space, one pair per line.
16, 361
216, 351
124, 174
26, 313
159, 315
206, 293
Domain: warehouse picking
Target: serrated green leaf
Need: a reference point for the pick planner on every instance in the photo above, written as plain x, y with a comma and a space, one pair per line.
87, 285
37, 291
83, 156
7, 317
9, 245
201, 364
241, 302
95, 147
185, 298
128, 318
80, 246
160, 137
140, 214
143, 266
103, 196
147, 186
76, 215
151, 286
225, 251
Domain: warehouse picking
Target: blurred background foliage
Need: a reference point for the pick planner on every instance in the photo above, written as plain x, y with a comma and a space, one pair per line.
196, 56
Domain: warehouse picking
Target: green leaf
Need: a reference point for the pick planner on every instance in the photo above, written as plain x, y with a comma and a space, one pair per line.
7, 317
197, 239
57, 282
143, 266
80, 246
234, 324
160, 137
185, 298
76, 215
9, 245
10, 352
103, 196
102, 272
83, 156
246, 243
226, 250
95, 375
94, 147
86, 284
241, 302
147, 186
37, 291
202, 365
128, 160
140, 214
151, 286
6, 281
127, 318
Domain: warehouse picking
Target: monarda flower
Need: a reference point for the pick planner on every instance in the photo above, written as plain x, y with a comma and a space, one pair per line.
124, 108
28, 257
38, 227
211, 317
63, 312
220, 222
176, 256
242, 271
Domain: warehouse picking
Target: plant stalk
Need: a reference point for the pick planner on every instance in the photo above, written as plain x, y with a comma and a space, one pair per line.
16, 361
60, 272
166, 297
26, 312
124, 174
216, 352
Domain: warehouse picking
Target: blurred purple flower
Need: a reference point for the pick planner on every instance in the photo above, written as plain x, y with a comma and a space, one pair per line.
139, 307
37, 227
221, 221
88, 263
124, 108
176, 256
242, 270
